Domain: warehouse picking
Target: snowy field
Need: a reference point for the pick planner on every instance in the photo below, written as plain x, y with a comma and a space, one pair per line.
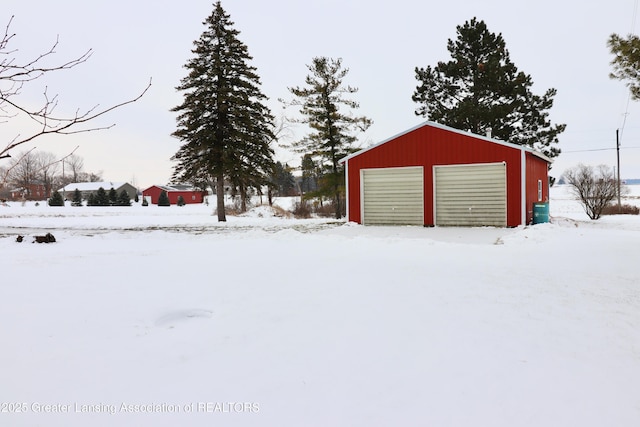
155, 316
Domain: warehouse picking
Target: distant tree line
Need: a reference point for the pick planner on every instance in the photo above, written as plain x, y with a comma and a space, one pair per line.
43, 170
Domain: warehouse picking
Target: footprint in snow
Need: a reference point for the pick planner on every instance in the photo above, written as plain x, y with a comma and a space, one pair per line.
170, 319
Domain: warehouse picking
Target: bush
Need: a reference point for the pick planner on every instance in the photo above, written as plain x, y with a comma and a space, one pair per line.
101, 198
621, 210
302, 209
123, 199
144, 202
77, 198
180, 201
595, 188
56, 200
163, 200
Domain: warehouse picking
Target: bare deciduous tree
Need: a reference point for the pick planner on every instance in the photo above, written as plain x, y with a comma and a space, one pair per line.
47, 172
22, 172
594, 187
14, 74
74, 165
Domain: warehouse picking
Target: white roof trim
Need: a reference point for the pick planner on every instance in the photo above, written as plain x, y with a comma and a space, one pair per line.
449, 129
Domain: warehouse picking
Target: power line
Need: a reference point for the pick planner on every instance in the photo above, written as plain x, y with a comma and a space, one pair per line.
597, 149
626, 110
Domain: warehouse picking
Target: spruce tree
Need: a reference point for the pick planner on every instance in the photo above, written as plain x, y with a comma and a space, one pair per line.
101, 198
333, 129
77, 198
91, 200
310, 175
56, 199
282, 180
113, 197
163, 199
481, 90
225, 128
123, 199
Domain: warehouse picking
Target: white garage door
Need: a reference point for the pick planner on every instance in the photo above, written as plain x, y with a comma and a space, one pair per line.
393, 196
471, 195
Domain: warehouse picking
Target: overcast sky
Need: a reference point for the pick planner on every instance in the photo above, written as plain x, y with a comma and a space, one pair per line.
560, 45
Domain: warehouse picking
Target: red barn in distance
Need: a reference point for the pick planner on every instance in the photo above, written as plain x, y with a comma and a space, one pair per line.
435, 175
188, 193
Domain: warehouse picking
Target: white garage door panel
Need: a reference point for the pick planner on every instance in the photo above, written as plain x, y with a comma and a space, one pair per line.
471, 195
393, 196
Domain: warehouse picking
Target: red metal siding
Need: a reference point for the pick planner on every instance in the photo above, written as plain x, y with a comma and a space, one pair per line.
154, 193
537, 169
428, 146
188, 196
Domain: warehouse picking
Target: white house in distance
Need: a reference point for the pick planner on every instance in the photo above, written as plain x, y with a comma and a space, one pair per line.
87, 188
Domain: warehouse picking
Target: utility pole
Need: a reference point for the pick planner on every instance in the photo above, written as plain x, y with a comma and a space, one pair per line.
618, 154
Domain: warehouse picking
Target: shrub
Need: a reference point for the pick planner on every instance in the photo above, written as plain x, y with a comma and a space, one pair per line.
144, 202
123, 199
77, 198
595, 188
56, 200
180, 201
302, 209
101, 198
163, 200
113, 197
621, 210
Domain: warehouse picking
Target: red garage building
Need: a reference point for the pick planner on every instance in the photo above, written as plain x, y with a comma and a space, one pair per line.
436, 175
188, 193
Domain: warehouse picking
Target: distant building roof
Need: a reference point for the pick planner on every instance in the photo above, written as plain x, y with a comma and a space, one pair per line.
176, 187
92, 186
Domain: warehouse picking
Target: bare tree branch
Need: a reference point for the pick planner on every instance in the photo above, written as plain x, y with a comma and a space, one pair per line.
14, 75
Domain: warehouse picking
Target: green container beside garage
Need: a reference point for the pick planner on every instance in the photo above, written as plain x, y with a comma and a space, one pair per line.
540, 212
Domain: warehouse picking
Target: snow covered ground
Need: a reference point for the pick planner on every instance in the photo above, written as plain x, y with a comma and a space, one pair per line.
151, 316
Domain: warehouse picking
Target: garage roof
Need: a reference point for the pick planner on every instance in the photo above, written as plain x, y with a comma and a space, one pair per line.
450, 129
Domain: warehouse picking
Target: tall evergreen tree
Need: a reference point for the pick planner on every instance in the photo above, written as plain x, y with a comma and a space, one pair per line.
626, 64
283, 180
310, 174
225, 128
481, 90
333, 129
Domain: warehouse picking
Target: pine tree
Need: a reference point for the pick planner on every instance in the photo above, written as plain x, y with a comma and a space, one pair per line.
481, 90
113, 197
91, 200
626, 64
310, 175
333, 130
123, 199
282, 180
225, 128
56, 199
101, 198
77, 198
163, 199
